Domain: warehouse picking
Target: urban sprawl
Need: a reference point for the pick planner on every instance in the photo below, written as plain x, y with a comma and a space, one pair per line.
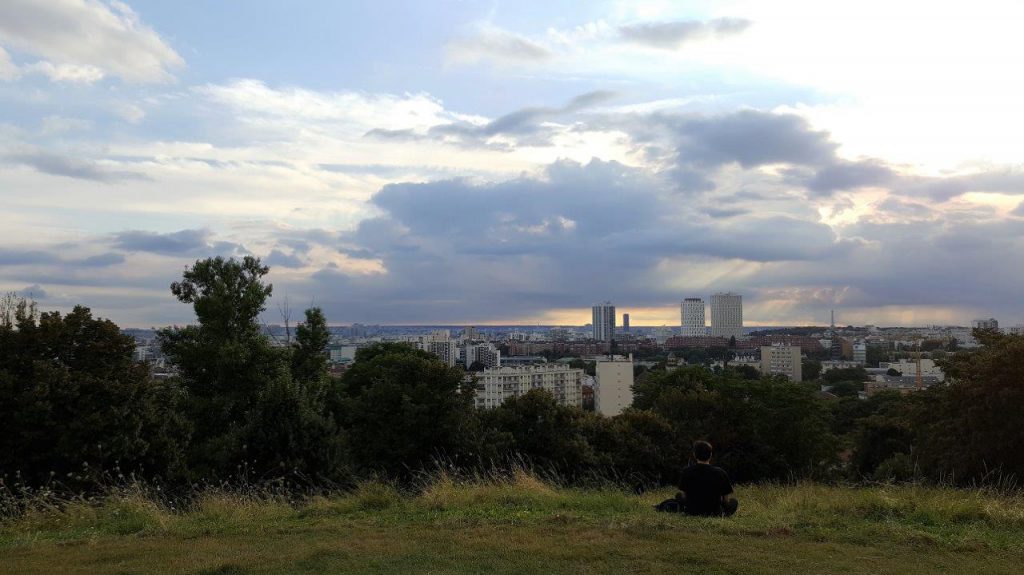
593, 366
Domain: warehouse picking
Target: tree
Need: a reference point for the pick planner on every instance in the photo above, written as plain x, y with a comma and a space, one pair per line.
810, 368
310, 356
224, 362
845, 374
893, 372
971, 429
404, 409
74, 402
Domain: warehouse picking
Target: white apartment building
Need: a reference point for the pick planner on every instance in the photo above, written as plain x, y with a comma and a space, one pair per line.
494, 386
860, 352
727, 315
990, 323
691, 313
442, 345
782, 360
908, 367
604, 321
485, 353
613, 384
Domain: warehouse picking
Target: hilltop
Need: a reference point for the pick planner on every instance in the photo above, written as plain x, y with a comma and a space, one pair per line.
524, 525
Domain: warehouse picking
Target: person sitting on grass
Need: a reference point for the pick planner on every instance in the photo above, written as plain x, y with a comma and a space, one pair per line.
705, 488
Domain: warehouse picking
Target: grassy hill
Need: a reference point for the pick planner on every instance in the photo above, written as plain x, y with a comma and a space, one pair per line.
526, 526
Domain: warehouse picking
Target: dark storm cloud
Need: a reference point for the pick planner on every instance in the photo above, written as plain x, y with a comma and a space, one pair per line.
750, 139
674, 35
579, 232
56, 165
279, 258
843, 175
181, 243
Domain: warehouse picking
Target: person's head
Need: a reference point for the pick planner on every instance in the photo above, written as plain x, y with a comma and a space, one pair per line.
702, 451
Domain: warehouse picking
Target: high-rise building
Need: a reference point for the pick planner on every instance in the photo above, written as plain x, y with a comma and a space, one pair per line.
485, 353
494, 386
625, 322
989, 323
613, 385
604, 321
782, 360
727, 315
691, 313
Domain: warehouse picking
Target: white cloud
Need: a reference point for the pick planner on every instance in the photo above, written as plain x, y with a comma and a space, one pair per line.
59, 125
491, 43
82, 40
131, 113
82, 74
8, 71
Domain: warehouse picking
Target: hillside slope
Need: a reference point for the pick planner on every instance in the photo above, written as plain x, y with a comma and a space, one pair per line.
526, 526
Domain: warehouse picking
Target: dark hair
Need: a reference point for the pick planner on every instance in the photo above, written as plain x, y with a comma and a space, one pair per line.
702, 450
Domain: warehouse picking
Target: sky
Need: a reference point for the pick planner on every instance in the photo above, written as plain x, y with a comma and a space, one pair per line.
463, 162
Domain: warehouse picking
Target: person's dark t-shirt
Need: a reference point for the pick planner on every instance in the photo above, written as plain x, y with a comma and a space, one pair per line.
704, 486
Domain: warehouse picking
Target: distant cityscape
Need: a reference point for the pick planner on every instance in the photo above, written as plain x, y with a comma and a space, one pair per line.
594, 365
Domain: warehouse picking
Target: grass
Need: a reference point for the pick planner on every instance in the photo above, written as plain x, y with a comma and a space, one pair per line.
523, 525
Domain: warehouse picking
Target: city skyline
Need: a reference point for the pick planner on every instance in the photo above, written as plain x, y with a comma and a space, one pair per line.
489, 163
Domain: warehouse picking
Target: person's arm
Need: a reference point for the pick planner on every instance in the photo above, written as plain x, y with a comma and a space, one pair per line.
726, 489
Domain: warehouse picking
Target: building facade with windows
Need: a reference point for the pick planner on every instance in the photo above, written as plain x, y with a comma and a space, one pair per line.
691, 314
727, 315
782, 360
603, 321
613, 384
494, 386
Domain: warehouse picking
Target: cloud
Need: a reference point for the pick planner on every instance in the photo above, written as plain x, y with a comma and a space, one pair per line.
180, 243
80, 40
57, 165
750, 138
527, 125
492, 43
8, 70
844, 175
74, 73
279, 258
674, 35
34, 291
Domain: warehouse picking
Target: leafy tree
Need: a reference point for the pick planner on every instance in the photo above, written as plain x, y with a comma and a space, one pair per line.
845, 374
225, 362
810, 369
893, 372
971, 429
74, 402
403, 409
310, 356
847, 388
548, 435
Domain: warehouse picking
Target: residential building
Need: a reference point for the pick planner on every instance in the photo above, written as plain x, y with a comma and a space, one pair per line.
691, 313
1016, 330
625, 322
860, 352
782, 360
908, 367
494, 386
613, 384
604, 321
727, 315
485, 353
989, 323
441, 344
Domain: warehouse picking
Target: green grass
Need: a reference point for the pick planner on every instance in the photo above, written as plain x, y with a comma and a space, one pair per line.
526, 526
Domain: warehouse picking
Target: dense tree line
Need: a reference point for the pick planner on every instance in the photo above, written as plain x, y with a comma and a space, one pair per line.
74, 404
